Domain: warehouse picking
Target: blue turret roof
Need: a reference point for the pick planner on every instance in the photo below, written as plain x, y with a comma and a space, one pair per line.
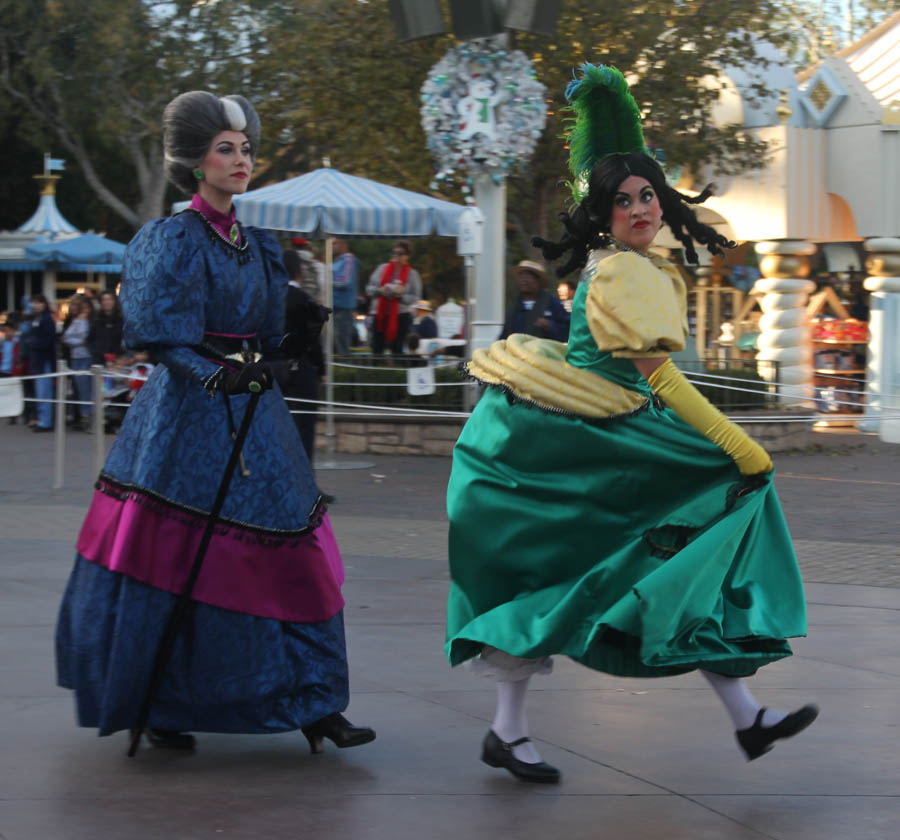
47, 220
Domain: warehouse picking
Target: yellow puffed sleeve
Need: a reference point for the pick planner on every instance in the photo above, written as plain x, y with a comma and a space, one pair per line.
636, 306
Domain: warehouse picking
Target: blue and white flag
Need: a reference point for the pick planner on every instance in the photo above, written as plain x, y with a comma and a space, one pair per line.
54, 164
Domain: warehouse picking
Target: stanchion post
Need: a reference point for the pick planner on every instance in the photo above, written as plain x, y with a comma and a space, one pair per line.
59, 430
97, 419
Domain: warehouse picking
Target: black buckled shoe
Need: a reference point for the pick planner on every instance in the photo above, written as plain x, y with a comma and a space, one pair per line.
497, 753
337, 729
168, 739
757, 740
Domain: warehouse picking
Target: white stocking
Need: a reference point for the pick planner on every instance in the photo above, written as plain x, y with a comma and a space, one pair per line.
741, 704
510, 722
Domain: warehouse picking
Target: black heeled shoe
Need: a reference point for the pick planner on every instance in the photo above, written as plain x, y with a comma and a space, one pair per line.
497, 753
337, 729
168, 739
757, 740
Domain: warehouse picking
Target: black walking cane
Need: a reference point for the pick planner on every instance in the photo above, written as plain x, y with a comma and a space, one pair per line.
167, 644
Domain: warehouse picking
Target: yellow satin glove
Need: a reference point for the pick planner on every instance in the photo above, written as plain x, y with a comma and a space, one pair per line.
691, 406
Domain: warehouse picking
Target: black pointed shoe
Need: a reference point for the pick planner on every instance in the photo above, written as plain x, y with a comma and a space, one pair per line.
497, 753
757, 740
339, 730
168, 739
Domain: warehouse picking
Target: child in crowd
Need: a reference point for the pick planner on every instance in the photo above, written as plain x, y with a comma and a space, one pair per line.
140, 371
10, 358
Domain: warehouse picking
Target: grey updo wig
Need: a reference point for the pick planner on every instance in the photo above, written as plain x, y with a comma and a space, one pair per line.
190, 122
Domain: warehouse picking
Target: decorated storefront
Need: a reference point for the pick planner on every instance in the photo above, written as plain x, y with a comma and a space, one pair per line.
823, 215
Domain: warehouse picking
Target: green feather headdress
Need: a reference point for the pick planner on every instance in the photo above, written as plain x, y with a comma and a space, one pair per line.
606, 121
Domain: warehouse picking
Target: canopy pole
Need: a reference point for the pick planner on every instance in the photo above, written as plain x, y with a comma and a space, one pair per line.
470, 389
490, 264
329, 349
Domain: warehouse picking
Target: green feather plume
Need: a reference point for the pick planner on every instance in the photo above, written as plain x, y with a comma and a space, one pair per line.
606, 121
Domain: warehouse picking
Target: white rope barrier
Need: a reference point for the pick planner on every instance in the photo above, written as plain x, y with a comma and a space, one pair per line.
363, 410
391, 384
379, 367
377, 408
763, 390
50, 375
450, 415
809, 418
56, 402
58, 374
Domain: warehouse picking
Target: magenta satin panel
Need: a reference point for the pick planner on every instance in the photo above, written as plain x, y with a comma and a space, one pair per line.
293, 578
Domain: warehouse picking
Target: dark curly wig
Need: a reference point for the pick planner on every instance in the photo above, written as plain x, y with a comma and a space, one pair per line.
587, 227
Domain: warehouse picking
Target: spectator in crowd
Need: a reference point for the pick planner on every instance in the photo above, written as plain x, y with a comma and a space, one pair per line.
141, 368
105, 339
312, 278
10, 362
303, 322
10, 357
40, 343
423, 324
75, 338
535, 311
345, 288
395, 286
30, 413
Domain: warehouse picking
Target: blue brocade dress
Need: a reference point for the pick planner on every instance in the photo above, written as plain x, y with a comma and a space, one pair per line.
262, 648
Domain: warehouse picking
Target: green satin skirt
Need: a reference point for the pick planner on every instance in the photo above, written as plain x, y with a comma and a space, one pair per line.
632, 545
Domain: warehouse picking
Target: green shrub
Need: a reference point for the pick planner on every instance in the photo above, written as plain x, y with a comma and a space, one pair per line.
379, 386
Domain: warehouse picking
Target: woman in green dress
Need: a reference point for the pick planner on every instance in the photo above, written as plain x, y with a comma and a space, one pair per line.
599, 506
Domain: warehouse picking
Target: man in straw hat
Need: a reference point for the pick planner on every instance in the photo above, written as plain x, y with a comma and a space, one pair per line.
535, 311
423, 324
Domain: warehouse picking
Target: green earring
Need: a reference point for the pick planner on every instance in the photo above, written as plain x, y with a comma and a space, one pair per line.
198, 174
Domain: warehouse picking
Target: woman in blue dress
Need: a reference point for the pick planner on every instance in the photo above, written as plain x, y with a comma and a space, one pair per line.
262, 648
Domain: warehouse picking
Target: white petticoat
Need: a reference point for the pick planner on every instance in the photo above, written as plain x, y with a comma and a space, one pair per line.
505, 667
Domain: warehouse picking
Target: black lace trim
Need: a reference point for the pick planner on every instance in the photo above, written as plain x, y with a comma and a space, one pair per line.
747, 484
621, 246
667, 540
196, 518
242, 252
516, 399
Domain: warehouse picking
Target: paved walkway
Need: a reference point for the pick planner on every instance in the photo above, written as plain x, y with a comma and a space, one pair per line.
641, 759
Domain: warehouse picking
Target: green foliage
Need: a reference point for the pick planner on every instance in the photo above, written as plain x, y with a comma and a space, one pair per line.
88, 79
816, 29
91, 77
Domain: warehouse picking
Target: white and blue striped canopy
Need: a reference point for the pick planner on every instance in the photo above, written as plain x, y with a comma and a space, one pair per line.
326, 202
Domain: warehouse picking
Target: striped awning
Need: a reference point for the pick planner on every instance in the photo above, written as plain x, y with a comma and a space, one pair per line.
326, 202
87, 268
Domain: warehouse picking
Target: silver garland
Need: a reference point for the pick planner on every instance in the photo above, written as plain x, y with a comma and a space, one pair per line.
512, 108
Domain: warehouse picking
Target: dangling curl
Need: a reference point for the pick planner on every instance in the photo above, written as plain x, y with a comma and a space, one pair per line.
587, 227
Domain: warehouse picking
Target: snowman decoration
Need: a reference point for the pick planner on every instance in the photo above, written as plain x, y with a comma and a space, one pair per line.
477, 109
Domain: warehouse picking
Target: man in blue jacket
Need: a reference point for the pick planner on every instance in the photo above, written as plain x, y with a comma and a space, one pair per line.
345, 288
535, 311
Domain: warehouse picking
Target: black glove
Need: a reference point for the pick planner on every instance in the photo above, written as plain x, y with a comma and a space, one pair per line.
253, 377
